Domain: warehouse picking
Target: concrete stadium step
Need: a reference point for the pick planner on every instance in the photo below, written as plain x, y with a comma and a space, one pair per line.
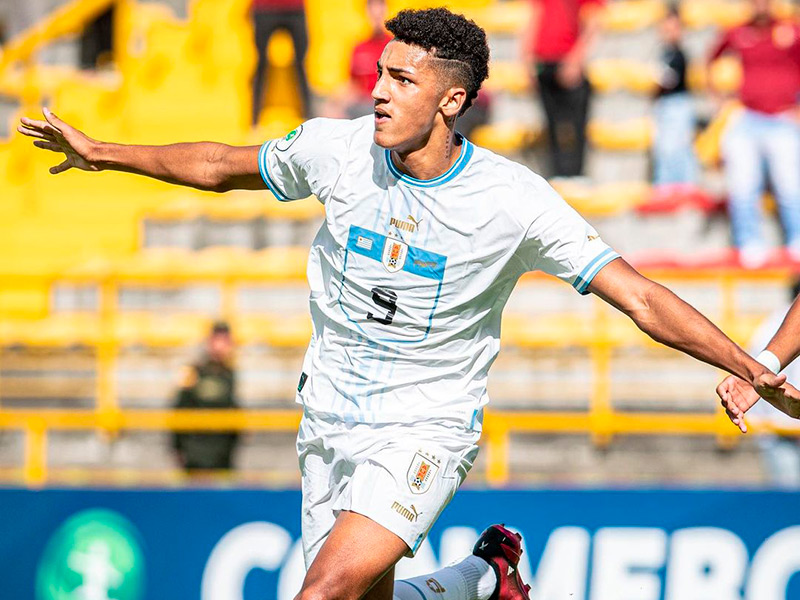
550, 459
534, 459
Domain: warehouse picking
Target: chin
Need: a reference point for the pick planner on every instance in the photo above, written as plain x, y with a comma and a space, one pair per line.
382, 139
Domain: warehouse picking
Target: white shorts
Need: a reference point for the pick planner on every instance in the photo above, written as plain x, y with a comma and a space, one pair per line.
400, 475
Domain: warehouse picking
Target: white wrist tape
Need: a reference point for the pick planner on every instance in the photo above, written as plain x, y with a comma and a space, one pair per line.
769, 360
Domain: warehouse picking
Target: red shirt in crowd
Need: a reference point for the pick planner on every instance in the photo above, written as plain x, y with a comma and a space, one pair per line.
559, 27
363, 64
286, 5
770, 56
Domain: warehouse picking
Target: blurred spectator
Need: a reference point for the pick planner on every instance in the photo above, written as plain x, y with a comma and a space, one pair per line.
363, 71
674, 161
781, 453
556, 46
96, 41
268, 17
208, 384
357, 101
766, 133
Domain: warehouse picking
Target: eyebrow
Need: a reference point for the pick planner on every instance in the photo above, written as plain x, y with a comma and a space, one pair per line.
395, 69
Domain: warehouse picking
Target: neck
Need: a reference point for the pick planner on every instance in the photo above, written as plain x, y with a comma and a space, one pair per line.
763, 19
432, 156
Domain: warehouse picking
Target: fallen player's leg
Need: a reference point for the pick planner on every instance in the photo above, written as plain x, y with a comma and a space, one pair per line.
489, 574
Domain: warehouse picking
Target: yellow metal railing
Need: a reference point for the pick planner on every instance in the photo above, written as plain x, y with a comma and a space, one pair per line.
600, 332
498, 428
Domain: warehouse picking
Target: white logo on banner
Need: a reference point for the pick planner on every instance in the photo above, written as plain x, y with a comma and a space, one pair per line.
627, 563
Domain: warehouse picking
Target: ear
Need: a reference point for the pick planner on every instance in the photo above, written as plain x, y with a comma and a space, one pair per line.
453, 101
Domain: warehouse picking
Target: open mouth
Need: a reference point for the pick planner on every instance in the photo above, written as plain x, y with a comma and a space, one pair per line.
381, 116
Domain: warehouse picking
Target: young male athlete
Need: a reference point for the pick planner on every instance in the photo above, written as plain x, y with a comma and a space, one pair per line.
425, 236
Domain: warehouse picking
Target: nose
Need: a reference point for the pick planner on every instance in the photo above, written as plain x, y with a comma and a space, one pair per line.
380, 92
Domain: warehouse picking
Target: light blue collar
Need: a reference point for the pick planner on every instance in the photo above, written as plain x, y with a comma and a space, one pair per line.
458, 166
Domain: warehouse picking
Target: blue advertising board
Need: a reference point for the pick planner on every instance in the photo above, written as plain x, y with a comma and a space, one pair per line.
244, 544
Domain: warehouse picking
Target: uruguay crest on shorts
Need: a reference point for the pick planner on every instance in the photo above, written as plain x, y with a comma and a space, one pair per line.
421, 474
394, 255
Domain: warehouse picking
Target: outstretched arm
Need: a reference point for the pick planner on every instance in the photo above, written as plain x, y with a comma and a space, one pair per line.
671, 321
203, 165
785, 344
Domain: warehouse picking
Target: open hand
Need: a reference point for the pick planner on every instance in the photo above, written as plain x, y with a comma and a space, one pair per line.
737, 397
56, 135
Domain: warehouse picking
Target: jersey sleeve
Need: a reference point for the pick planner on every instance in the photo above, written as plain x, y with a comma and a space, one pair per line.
558, 241
306, 161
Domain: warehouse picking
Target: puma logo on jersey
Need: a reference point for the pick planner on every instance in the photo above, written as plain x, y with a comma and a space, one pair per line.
411, 514
592, 237
412, 227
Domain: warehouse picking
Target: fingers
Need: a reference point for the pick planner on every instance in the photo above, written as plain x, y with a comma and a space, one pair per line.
770, 380
52, 119
36, 133
64, 166
736, 417
45, 145
40, 126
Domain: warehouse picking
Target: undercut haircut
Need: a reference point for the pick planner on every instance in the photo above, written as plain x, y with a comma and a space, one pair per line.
458, 44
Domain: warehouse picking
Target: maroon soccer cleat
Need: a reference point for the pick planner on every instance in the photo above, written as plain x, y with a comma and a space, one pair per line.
501, 548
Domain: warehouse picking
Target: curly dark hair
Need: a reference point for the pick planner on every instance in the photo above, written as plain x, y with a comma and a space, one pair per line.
447, 36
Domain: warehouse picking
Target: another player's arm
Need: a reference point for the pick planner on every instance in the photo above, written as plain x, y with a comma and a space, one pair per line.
783, 348
785, 344
202, 165
671, 321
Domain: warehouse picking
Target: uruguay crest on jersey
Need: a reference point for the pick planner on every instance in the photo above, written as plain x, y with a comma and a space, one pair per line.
394, 255
421, 474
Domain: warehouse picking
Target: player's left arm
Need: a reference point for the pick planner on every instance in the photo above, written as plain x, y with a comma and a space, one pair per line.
669, 320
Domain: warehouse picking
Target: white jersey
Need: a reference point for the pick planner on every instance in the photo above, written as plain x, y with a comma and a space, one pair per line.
409, 277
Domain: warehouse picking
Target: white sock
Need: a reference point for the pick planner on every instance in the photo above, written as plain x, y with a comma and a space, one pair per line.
471, 579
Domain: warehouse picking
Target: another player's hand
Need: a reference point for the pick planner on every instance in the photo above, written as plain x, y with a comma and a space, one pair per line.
737, 397
56, 135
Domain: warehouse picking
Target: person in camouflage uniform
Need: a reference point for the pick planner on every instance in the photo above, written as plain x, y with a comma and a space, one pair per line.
208, 384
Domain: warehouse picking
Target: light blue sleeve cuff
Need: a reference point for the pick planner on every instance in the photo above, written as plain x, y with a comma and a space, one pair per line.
263, 169
586, 276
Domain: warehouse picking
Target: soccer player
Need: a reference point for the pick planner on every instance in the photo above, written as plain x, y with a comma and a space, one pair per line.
424, 238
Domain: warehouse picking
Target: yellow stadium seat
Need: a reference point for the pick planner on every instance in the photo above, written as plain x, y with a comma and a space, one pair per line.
708, 143
634, 135
186, 208
552, 331
506, 76
30, 301
605, 199
156, 265
154, 331
508, 17
506, 138
235, 206
55, 331
280, 331
279, 264
626, 74
299, 210
218, 263
632, 15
